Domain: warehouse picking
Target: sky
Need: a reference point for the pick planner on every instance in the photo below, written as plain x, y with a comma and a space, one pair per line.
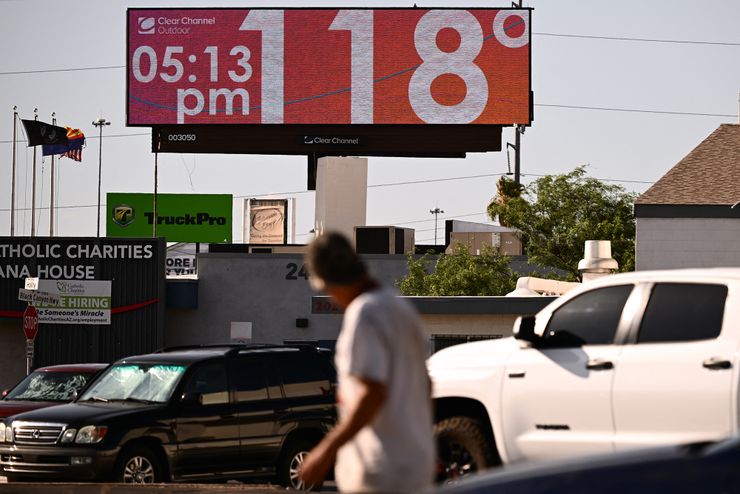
676, 93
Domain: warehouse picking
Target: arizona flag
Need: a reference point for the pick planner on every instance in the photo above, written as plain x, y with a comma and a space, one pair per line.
73, 147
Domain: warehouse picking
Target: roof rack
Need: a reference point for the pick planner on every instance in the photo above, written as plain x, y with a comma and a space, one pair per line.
234, 347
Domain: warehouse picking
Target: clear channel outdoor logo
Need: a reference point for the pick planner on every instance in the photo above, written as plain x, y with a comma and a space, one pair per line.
123, 215
146, 25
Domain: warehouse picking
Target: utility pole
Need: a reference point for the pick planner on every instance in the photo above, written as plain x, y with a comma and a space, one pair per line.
435, 212
100, 123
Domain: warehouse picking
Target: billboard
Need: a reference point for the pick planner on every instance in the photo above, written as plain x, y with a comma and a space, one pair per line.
180, 217
268, 221
390, 66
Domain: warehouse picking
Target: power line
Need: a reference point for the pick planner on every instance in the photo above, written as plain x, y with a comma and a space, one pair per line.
432, 180
558, 35
71, 69
638, 110
643, 40
91, 137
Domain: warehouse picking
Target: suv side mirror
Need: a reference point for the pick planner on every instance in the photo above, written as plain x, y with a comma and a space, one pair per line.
524, 329
191, 399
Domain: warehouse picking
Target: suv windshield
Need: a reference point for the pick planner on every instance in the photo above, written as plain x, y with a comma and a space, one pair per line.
136, 382
49, 386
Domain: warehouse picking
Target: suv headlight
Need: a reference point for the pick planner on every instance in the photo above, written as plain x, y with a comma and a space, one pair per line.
8, 433
2, 432
91, 434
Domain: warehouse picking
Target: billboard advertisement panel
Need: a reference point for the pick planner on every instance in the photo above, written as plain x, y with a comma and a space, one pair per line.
396, 66
268, 221
180, 217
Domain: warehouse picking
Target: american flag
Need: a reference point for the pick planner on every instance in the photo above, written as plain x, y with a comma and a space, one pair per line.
76, 140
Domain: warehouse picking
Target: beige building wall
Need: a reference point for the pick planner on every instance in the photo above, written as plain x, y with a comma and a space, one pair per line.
341, 194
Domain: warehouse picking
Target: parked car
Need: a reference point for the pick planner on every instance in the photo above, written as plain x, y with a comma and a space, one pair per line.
707, 468
185, 414
641, 359
47, 386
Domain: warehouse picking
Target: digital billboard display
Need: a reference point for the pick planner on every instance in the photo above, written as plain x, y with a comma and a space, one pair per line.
396, 66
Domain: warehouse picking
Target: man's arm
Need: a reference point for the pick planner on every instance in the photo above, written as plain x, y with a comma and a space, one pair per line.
372, 396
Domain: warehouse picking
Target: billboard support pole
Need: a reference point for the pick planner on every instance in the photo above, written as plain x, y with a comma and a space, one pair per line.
519, 130
156, 171
154, 208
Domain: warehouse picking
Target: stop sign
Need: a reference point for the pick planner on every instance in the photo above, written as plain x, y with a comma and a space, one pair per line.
30, 322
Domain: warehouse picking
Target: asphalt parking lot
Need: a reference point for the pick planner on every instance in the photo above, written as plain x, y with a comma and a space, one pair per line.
158, 488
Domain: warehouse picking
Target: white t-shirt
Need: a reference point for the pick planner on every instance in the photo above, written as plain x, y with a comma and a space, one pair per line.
382, 340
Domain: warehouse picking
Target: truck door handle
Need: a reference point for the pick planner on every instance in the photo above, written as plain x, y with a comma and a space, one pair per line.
715, 363
599, 364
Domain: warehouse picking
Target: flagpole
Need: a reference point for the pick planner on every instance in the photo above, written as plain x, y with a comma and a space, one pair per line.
51, 203
12, 181
33, 183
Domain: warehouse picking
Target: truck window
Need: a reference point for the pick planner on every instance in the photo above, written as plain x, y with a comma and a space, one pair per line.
250, 380
589, 319
209, 380
683, 312
305, 375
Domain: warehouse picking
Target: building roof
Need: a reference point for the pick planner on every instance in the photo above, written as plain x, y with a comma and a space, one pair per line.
708, 176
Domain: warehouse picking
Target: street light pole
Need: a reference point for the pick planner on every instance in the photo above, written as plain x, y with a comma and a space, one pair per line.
435, 212
100, 123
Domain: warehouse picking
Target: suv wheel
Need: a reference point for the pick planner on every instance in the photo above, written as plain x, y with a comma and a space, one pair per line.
462, 448
291, 460
138, 465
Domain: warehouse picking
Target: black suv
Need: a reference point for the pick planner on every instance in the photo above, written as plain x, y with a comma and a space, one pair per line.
182, 414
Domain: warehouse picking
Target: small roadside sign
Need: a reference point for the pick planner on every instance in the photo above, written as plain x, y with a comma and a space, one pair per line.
32, 283
30, 322
38, 297
29, 348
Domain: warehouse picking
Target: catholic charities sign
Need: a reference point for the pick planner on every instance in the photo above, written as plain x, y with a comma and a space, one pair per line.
80, 302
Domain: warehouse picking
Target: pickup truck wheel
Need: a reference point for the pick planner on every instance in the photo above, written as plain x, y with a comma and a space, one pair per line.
462, 448
138, 465
290, 463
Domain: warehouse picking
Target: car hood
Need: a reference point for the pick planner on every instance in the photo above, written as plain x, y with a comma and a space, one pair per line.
12, 407
78, 413
486, 354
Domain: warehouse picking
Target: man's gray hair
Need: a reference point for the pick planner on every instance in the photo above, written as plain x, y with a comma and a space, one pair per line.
332, 259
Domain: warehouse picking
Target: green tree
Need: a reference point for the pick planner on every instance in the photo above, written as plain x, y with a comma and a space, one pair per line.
558, 213
459, 274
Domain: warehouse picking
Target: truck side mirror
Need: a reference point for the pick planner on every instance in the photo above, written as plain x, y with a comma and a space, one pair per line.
524, 329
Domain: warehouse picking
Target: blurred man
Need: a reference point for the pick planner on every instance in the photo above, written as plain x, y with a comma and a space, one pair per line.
383, 439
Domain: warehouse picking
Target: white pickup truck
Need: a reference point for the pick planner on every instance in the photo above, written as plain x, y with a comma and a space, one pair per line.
629, 360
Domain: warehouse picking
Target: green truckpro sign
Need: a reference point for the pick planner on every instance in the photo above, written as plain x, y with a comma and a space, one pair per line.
180, 217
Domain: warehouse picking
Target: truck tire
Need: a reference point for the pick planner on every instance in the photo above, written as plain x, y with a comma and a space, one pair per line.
462, 448
138, 465
291, 459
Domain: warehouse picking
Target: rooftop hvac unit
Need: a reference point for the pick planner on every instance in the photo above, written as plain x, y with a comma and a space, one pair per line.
383, 240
